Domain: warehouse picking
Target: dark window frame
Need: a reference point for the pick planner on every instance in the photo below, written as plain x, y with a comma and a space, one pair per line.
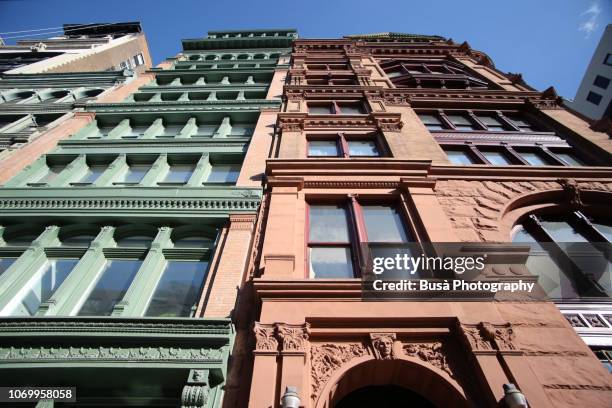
342, 139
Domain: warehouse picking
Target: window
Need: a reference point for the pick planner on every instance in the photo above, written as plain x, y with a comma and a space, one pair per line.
492, 123
459, 156
562, 258
329, 243
534, 158
608, 59
138, 60
342, 108
42, 286
432, 122
6, 263
52, 172
178, 289
364, 148
113, 283
179, 173
323, 148
460, 122
351, 109
334, 237
135, 173
496, 157
135, 241
601, 82
78, 240
320, 109
344, 145
594, 98
241, 130
569, 158
191, 242
224, 174
92, 174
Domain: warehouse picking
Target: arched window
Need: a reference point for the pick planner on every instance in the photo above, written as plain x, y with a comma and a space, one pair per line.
136, 240
570, 253
192, 241
78, 240
195, 58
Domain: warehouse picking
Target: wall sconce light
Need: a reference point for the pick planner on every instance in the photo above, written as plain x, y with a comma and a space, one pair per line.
290, 398
513, 397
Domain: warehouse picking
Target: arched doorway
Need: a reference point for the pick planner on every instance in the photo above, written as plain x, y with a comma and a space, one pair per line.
384, 396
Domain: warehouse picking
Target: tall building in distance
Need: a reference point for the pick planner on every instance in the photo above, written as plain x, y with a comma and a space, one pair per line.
594, 96
80, 48
195, 234
121, 257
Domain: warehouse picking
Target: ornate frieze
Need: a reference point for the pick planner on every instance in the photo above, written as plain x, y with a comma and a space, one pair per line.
290, 338
485, 336
326, 358
432, 353
108, 353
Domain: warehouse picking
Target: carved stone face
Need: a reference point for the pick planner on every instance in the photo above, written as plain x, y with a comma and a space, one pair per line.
384, 346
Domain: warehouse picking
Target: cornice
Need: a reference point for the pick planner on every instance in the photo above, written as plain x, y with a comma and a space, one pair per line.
224, 71
144, 201
181, 106
297, 122
202, 88
433, 97
518, 173
177, 143
36, 108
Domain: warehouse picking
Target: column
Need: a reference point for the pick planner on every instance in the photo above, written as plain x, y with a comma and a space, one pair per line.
68, 296
294, 340
189, 129
201, 172
263, 384
136, 299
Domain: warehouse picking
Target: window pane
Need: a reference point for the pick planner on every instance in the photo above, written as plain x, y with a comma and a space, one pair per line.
331, 263
51, 174
224, 174
319, 109
461, 122
534, 158
206, 130
362, 148
110, 288
323, 148
569, 158
562, 231
178, 289
459, 157
384, 224
135, 173
432, 122
352, 109
6, 263
78, 240
135, 241
522, 124
496, 158
179, 173
93, 172
605, 229
191, 242
328, 223
241, 130
491, 122
42, 286
171, 130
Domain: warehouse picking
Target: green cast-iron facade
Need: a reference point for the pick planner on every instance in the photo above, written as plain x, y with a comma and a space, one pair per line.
107, 241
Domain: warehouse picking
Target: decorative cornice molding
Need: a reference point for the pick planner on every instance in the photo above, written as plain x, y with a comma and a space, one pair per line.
296, 122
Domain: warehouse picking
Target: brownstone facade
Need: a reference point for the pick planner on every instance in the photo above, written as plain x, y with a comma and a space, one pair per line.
388, 119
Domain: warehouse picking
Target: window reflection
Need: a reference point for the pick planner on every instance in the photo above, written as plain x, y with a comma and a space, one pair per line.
110, 288
42, 286
178, 289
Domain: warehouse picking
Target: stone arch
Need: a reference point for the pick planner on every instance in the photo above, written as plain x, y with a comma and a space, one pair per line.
566, 198
404, 371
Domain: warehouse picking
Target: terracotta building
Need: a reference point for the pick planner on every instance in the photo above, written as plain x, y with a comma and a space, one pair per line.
395, 138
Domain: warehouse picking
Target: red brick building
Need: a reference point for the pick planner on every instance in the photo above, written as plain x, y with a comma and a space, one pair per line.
408, 138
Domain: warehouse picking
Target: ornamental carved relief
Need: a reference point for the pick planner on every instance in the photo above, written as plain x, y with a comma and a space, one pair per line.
485, 336
265, 338
329, 357
474, 208
109, 353
431, 353
382, 345
293, 338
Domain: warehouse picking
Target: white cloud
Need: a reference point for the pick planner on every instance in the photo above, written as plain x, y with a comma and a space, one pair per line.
590, 24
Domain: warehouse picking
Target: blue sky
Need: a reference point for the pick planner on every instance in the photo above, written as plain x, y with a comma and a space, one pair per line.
549, 41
